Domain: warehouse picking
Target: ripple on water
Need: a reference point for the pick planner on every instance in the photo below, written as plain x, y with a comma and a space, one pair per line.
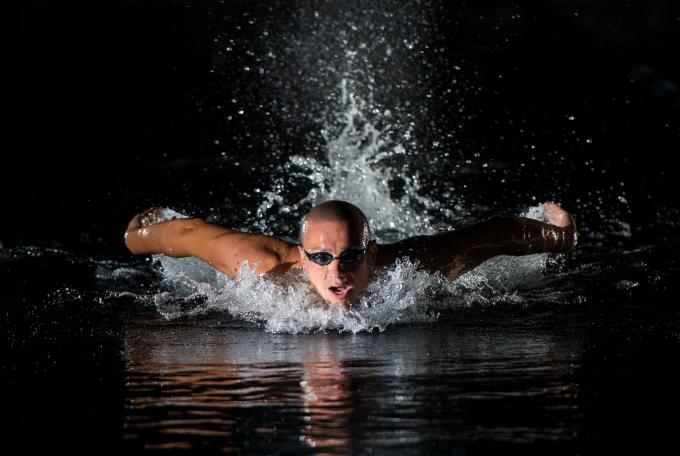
222, 384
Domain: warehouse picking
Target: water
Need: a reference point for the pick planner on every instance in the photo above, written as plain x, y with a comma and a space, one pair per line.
428, 116
386, 382
578, 364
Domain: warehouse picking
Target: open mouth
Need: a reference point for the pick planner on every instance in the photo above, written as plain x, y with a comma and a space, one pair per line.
340, 291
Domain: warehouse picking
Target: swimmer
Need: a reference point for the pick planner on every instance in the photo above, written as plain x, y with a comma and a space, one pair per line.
336, 250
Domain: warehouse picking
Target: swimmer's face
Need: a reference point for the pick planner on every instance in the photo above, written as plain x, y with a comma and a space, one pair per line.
338, 282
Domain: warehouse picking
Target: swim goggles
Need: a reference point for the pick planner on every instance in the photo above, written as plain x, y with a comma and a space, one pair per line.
349, 256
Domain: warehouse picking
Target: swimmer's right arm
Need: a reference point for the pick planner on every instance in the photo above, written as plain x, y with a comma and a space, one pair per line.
455, 252
223, 248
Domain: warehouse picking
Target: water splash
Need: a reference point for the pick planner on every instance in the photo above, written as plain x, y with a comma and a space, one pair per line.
359, 166
288, 304
401, 293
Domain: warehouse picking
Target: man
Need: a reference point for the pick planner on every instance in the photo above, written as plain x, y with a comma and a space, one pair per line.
335, 249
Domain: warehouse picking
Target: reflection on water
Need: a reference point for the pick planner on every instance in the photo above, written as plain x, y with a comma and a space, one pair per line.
229, 386
590, 370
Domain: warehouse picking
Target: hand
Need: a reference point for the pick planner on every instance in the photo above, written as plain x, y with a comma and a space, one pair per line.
146, 218
557, 216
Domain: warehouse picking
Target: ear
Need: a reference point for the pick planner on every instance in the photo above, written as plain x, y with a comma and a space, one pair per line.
372, 251
303, 257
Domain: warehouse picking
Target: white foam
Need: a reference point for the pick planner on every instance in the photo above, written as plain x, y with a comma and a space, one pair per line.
288, 304
398, 294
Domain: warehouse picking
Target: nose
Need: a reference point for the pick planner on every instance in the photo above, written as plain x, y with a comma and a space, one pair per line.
336, 268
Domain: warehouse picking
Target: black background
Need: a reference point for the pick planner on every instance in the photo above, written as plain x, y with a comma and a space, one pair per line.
108, 113
102, 93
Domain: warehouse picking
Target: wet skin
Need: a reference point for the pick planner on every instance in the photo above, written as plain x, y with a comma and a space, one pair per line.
337, 282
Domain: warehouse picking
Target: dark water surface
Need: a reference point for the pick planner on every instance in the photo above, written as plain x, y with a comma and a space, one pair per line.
201, 105
86, 367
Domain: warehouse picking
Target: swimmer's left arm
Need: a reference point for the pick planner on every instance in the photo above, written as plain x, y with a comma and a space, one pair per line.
456, 252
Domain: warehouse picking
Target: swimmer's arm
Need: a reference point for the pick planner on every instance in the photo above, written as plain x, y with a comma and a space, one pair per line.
223, 248
456, 252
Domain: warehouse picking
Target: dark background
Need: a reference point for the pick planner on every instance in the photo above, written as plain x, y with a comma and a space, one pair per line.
112, 107
104, 96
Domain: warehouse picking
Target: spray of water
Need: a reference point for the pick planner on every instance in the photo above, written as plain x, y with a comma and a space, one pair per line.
357, 168
401, 293
288, 304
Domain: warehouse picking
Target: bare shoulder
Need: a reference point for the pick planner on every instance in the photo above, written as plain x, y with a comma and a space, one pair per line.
413, 248
268, 254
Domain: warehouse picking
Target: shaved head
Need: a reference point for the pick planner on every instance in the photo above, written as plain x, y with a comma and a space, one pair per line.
338, 230
337, 211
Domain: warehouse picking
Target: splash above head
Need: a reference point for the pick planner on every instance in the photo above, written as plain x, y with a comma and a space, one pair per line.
336, 252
